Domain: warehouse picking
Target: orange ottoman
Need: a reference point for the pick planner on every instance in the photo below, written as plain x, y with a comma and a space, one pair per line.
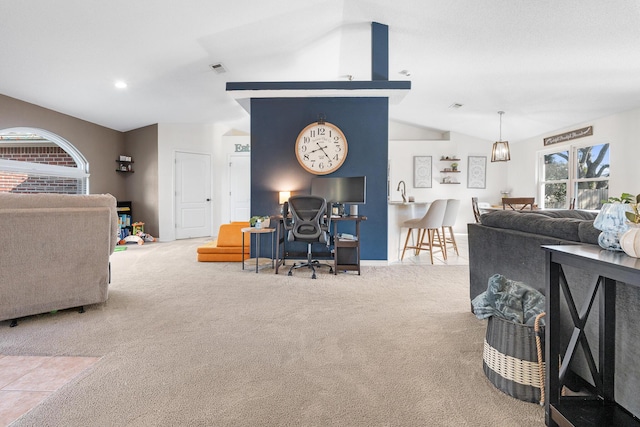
228, 246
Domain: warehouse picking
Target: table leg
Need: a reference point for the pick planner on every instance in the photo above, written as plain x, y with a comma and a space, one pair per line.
272, 263
257, 250
243, 250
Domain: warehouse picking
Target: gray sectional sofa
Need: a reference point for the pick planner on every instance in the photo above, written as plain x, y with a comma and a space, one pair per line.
508, 242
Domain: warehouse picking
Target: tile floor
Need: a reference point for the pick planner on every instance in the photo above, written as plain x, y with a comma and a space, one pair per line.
25, 381
438, 259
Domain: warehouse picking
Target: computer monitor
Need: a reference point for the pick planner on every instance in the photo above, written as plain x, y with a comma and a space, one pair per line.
350, 190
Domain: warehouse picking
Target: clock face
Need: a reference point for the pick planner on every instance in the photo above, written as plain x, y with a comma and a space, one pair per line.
321, 148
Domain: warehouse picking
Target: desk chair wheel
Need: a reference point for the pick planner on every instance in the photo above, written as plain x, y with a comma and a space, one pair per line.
290, 273
313, 276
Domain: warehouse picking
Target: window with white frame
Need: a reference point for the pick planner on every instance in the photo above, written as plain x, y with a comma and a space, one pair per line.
38, 161
574, 176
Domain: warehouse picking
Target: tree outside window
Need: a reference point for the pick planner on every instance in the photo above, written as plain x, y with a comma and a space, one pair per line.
588, 182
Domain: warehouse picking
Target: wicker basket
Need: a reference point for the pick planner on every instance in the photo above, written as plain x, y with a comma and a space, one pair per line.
513, 360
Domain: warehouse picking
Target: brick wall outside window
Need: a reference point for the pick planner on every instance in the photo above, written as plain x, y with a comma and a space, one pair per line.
11, 182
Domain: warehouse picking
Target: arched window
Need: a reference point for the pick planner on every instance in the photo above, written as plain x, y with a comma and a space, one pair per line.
38, 161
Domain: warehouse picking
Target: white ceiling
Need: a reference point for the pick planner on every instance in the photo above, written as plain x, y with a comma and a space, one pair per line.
547, 63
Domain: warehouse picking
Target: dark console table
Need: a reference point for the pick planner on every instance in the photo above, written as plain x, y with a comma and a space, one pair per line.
601, 408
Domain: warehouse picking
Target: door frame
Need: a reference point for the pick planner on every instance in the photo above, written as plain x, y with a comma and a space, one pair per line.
230, 157
174, 189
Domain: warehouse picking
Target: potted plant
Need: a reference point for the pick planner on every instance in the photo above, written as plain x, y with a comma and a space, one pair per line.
259, 221
630, 239
634, 215
454, 166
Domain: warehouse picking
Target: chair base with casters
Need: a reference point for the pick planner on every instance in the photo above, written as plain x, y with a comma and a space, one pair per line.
310, 263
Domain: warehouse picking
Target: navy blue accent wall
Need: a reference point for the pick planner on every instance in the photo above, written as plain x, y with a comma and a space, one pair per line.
275, 124
379, 51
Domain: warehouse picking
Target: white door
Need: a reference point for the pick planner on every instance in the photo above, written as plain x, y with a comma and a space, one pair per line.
240, 187
193, 195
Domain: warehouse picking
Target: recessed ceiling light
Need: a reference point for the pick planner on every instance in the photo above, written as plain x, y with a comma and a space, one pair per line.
120, 84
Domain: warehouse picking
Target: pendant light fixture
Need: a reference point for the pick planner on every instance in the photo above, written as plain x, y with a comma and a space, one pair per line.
500, 151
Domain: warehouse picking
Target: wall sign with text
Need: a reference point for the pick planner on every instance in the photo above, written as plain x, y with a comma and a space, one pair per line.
567, 136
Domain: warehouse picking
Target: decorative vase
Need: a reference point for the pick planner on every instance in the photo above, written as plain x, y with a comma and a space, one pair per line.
613, 223
630, 241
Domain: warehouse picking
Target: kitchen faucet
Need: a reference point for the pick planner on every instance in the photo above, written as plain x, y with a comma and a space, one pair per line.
404, 190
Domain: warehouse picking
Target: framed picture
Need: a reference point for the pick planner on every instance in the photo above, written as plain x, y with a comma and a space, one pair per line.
422, 171
477, 172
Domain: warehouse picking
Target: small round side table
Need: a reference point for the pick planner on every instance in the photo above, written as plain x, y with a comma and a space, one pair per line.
258, 232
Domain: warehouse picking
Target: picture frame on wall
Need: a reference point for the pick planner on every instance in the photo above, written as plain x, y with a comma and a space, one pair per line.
422, 171
477, 172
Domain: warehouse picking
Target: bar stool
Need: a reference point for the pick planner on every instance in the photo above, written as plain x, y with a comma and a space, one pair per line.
450, 215
428, 226
476, 209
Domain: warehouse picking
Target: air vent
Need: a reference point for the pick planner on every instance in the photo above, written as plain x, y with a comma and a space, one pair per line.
218, 68
455, 105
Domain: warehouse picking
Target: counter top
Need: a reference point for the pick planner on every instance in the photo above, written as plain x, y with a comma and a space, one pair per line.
400, 202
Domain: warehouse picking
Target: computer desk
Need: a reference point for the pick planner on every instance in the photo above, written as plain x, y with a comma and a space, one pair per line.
346, 252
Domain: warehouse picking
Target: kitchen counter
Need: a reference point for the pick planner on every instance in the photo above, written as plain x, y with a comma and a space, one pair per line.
400, 202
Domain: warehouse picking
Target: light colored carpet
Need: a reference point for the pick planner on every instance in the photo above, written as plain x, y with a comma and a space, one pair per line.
206, 344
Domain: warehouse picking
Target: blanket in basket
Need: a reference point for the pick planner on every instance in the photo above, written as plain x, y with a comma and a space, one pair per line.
509, 300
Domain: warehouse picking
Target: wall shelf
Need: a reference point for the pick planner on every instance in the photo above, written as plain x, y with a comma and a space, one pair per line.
451, 161
125, 166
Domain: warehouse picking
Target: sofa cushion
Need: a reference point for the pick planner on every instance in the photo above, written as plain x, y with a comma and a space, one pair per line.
561, 228
213, 248
568, 213
228, 246
230, 235
588, 233
52, 200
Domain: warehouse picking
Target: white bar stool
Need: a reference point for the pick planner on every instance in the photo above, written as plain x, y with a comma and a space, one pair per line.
428, 226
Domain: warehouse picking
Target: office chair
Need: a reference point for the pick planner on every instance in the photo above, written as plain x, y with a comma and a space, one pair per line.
310, 224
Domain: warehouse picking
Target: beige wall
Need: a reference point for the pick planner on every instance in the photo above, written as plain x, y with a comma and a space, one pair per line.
142, 185
101, 146
620, 131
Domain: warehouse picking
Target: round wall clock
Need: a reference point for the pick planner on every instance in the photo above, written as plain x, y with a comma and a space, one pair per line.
321, 148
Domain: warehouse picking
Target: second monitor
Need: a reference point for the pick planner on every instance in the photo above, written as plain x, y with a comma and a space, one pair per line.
341, 190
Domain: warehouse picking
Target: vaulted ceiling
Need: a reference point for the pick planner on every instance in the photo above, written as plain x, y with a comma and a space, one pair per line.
547, 64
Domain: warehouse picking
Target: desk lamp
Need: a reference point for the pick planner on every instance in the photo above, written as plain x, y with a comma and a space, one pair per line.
283, 200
